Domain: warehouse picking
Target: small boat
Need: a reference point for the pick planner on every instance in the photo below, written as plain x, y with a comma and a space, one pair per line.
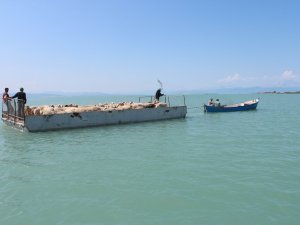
243, 106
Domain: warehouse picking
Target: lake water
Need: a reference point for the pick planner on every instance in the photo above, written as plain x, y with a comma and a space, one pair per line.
224, 168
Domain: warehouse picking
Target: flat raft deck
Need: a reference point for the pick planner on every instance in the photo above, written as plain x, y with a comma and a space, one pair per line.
48, 118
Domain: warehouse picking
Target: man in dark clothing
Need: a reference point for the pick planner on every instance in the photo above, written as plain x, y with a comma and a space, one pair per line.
158, 94
21, 95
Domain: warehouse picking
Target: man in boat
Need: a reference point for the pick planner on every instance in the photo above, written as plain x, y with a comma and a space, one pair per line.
158, 94
217, 103
21, 95
211, 101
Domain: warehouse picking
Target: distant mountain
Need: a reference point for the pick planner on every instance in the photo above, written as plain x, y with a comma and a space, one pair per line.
61, 93
250, 90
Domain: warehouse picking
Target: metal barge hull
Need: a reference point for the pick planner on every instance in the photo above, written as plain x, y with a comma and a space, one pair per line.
38, 123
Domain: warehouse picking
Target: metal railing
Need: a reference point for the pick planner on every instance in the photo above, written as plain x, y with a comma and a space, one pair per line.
172, 100
13, 110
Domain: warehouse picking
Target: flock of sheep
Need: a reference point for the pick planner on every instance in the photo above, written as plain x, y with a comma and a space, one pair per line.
72, 108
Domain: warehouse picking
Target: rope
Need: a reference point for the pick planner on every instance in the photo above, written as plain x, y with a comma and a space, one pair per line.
195, 107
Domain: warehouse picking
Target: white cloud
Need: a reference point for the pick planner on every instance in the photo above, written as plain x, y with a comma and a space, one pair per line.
230, 79
288, 75
286, 79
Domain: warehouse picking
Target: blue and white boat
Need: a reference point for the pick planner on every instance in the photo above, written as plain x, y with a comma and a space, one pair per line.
243, 106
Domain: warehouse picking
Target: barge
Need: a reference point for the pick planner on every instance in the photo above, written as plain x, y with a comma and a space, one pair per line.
57, 117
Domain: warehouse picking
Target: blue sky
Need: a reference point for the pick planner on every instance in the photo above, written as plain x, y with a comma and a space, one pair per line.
124, 46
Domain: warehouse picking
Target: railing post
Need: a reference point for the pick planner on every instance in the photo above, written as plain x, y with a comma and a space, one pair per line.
2, 109
22, 110
15, 111
7, 108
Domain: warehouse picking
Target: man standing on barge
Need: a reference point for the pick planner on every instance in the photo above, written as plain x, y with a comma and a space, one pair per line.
158, 94
21, 95
6, 100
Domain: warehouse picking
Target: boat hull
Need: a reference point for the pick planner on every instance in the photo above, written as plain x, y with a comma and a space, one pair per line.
38, 123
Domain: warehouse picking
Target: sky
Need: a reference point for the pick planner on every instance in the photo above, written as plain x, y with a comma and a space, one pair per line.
125, 46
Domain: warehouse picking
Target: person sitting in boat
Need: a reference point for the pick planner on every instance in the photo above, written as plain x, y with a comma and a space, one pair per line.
217, 103
158, 94
211, 101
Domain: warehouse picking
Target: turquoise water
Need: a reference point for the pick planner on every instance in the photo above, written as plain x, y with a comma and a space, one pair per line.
224, 168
